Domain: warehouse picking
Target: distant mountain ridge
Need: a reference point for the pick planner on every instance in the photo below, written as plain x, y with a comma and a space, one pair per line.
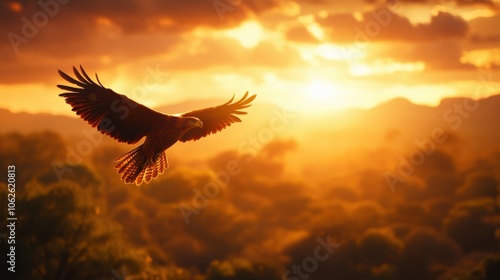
27, 122
469, 118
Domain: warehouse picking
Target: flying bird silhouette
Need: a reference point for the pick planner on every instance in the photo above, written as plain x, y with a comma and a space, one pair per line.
127, 121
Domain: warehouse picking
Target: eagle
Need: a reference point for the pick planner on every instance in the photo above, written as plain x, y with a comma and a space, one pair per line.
127, 121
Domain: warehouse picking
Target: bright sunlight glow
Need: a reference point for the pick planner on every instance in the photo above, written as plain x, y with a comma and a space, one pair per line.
319, 95
249, 34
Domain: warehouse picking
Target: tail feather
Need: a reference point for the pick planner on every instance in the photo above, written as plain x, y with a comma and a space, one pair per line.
135, 167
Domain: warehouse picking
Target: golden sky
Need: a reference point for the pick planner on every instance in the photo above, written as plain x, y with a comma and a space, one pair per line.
311, 55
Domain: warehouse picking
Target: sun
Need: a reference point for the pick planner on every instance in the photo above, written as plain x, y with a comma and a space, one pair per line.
321, 95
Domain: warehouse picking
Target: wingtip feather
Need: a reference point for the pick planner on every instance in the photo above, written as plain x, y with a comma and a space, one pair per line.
87, 76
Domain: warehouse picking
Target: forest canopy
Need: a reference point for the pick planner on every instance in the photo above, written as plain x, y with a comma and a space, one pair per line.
262, 222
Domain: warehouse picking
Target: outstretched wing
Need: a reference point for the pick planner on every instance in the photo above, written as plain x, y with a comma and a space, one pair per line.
216, 118
114, 114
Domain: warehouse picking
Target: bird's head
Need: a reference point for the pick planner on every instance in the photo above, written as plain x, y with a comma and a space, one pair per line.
194, 122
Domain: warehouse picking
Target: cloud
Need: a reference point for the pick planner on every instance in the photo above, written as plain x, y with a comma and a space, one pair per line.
98, 32
38, 62
467, 2
484, 33
173, 53
444, 54
190, 39
486, 39
337, 5
300, 34
340, 27
459, 2
443, 25
385, 25
145, 16
228, 52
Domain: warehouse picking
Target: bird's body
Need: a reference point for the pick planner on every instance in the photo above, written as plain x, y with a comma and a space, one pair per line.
149, 159
128, 121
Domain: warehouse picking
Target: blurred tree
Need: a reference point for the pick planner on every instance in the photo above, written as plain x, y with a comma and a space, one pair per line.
220, 232
344, 193
468, 225
486, 267
80, 174
379, 246
61, 235
135, 220
492, 268
117, 196
279, 148
426, 248
408, 212
180, 184
239, 269
367, 214
438, 163
437, 209
32, 153
478, 186
441, 185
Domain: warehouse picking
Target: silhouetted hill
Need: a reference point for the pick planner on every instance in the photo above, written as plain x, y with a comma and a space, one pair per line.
470, 120
73, 128
27, 122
